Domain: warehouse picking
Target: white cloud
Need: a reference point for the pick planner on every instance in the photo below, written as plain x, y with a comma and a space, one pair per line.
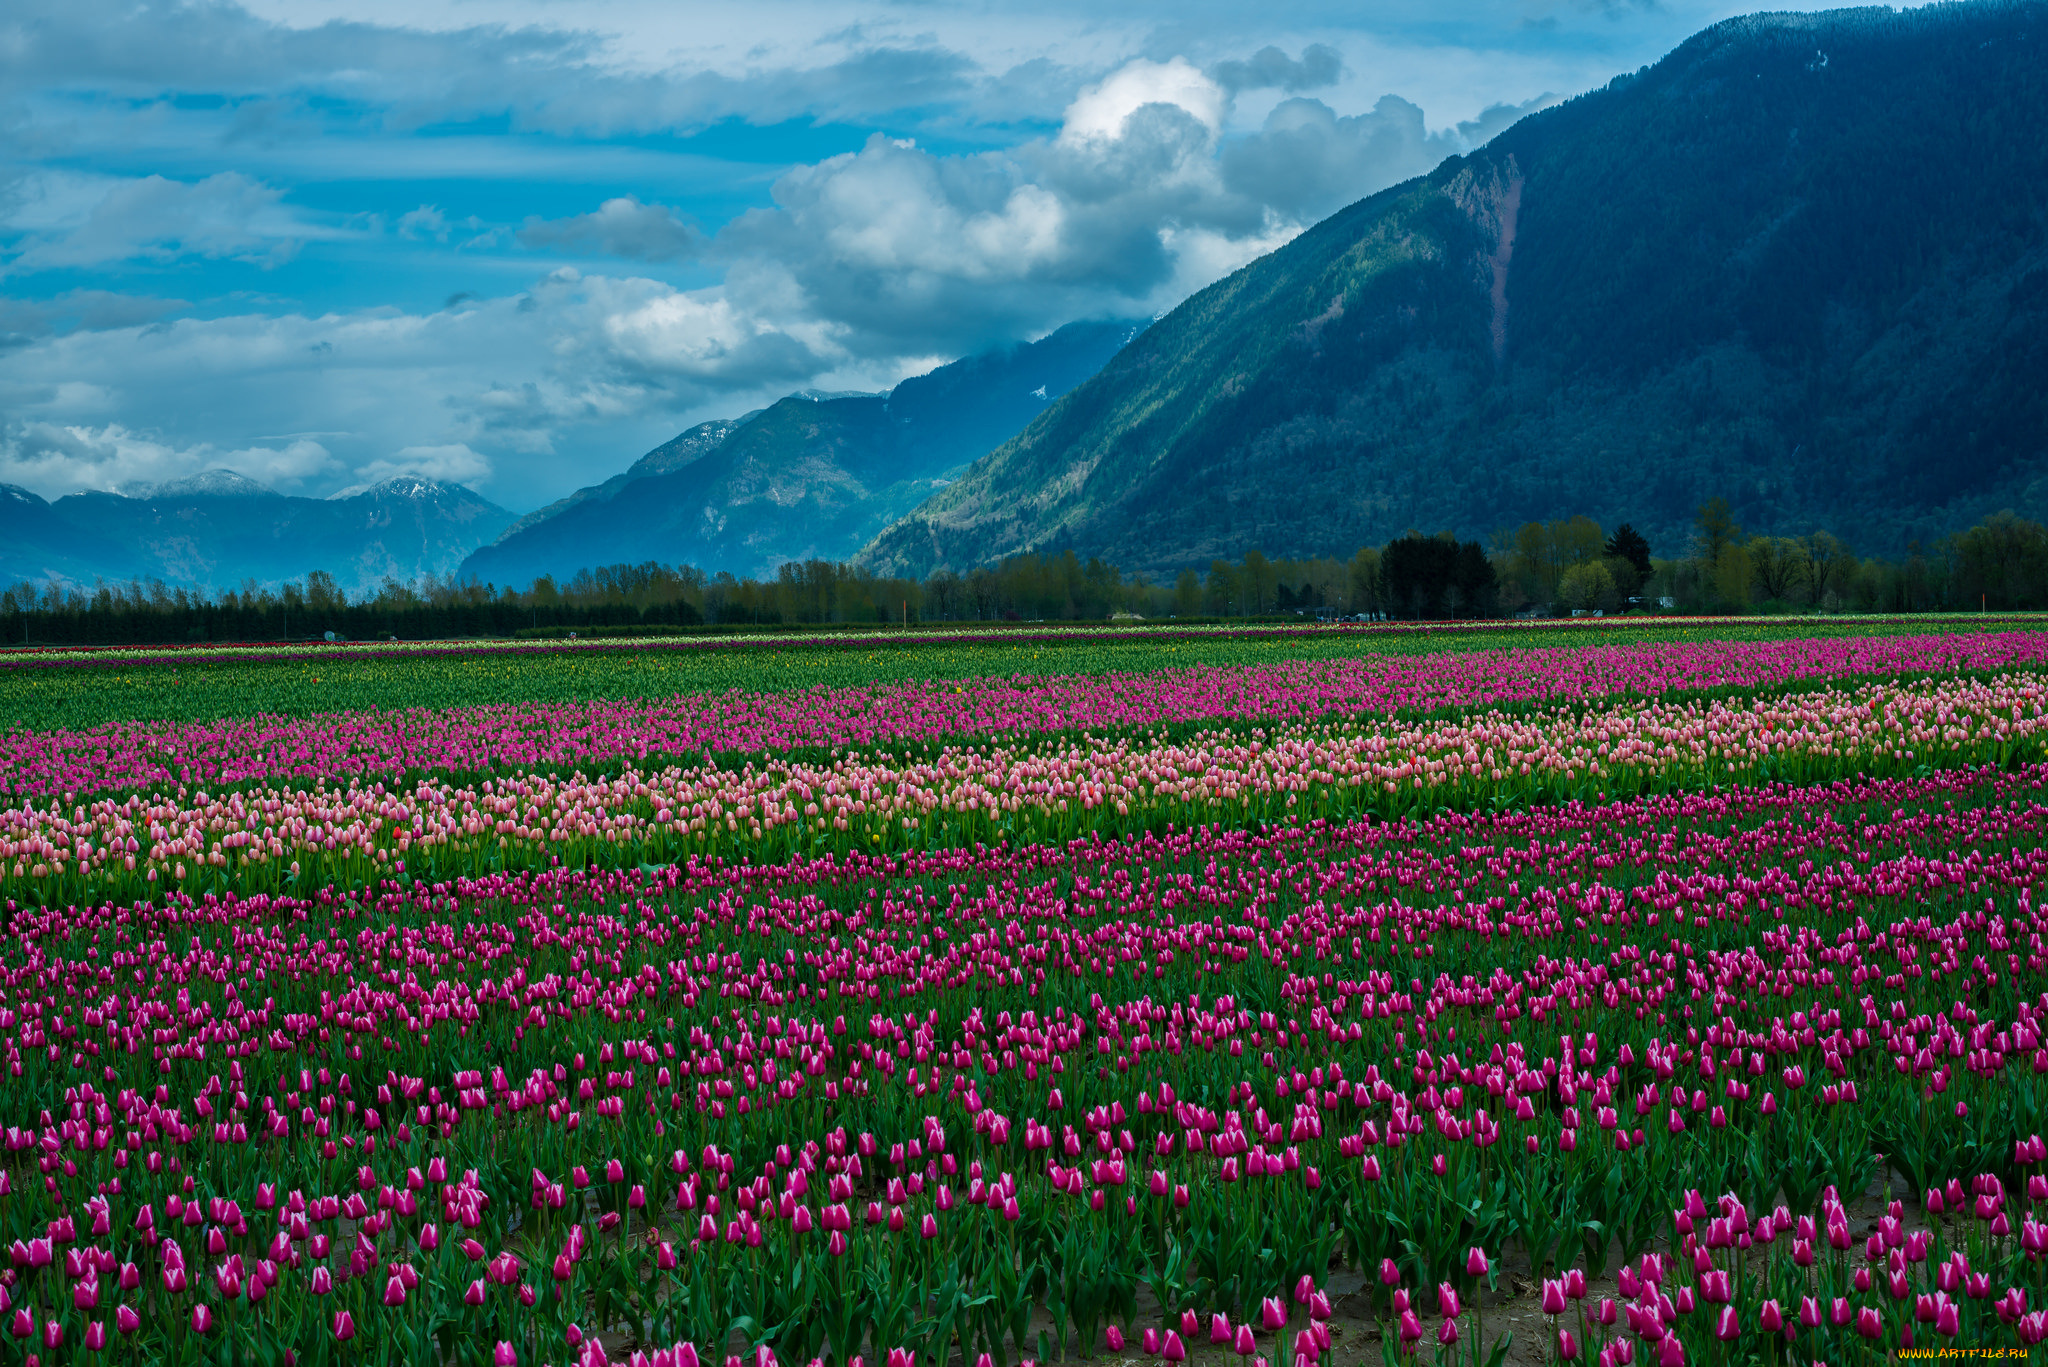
621, 227
454, 463
1124, 209
1103, 110
54, 459
508, 394
89, 309
153, 219
1270, 68
1307, 161
425, 221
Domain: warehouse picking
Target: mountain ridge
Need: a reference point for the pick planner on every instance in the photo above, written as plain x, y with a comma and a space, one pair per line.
673, 454
1798, 263
814, 475
218, 528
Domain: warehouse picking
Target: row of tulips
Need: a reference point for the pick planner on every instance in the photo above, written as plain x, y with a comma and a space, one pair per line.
855, 1104
1520, 632
284, 837
517, 736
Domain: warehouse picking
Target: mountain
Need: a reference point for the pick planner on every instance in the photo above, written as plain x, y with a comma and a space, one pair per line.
812, 475
218, 528
213, 483
37, 545
671, 455
1801, 263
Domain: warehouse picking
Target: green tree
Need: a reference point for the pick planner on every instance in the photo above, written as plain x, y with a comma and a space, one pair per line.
1629, 544
1584, 587
1261, 583
1832, 568
1364, 590
1717, 531
1779, 568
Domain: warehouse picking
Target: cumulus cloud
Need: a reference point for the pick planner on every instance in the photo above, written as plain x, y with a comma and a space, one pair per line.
1102, 112
55, 459
1123, 209
452, 463
622, 227
1142, 196
1307, 161
502, 393
156, 219
1271, 69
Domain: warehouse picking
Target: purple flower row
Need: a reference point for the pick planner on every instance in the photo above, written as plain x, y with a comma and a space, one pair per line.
525, 735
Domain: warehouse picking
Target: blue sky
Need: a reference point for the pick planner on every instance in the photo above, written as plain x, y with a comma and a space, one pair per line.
516, 243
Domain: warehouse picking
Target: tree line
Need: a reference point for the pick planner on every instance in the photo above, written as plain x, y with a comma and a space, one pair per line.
1539, 568
2000, 564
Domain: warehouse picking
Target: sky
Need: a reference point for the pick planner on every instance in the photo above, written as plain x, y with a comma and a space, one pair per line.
514, 244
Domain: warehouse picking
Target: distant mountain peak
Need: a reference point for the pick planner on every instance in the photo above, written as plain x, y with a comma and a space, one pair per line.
419, 488
216, 482
410, 486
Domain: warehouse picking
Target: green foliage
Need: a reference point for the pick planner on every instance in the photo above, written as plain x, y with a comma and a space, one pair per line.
1435, 576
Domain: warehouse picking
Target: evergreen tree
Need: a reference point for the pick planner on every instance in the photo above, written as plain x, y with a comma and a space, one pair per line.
1629, 544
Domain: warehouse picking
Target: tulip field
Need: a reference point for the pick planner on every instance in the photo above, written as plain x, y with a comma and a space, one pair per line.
1664, 998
